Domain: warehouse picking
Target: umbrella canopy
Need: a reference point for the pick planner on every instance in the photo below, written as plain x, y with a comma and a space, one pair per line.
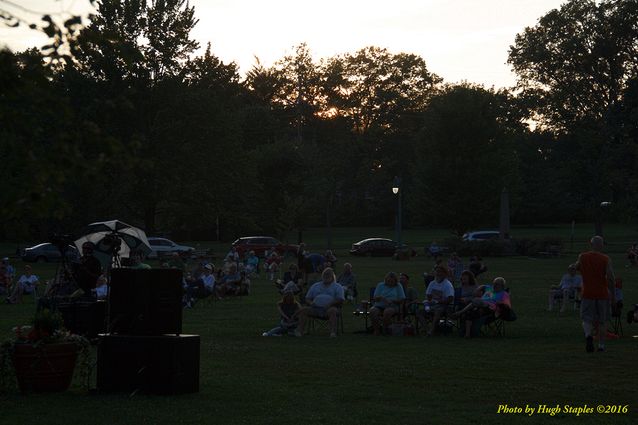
104, 234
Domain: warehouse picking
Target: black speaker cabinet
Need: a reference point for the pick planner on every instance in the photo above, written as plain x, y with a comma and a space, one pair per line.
166, 364
145, 302
84, 317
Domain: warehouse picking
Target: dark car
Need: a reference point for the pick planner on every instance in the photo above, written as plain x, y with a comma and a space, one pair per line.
48, 252
259, 244
378, 247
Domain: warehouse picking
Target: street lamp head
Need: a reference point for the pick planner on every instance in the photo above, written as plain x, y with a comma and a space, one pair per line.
396, 185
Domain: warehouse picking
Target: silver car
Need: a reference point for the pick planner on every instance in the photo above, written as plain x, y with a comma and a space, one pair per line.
162, 247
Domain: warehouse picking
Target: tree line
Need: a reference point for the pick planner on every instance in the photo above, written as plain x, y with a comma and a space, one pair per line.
129, 123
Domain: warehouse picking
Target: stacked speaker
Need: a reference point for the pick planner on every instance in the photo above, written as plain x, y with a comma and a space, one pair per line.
145, 350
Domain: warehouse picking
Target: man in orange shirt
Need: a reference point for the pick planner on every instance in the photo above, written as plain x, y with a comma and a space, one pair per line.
598, 292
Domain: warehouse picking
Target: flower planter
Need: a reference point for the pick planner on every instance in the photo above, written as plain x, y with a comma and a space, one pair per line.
45, 367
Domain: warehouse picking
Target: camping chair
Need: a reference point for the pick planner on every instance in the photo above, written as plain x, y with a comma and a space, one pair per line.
616, 318
323, 322
495, 326
616, 309
574, 298
366, 306
364, 309
409, 314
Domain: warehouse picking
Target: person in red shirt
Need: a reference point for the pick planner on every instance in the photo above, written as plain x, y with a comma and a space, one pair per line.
598, 292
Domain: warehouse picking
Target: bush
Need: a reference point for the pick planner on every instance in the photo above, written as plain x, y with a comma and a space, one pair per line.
489, 248
498, 248
535, 246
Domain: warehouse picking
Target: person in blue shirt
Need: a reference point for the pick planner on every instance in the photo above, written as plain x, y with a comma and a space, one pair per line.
323, 300
387, 300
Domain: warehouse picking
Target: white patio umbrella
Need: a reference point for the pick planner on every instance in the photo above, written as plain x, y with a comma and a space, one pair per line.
106, 234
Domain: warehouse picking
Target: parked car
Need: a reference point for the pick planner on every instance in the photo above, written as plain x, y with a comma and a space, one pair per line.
260, 244
48, 252
162, 247
378, 247
481, 235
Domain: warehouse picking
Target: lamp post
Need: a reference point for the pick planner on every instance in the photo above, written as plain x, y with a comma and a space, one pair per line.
396, 189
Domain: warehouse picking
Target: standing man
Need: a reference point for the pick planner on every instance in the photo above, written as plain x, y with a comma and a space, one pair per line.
88, 270
598, 292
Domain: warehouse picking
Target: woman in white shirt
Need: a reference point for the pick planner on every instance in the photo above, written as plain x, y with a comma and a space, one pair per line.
25, 285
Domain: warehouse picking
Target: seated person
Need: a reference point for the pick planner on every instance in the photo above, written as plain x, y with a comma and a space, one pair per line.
468, 287
313, 263
489, 299
25, 285
230, 282
177, 262
439, 299
455, 267
292, 281
387, 301
101, 288
411, 302
201, 287
435, 250
232, 256
348, 281
252, 263
323, 299
330, 258
288, 309
272, 264
476, 266
244, 284
137, 261
570, 287
8, 267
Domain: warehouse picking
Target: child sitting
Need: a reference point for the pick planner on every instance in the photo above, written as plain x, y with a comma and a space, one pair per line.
288, 309
272, 265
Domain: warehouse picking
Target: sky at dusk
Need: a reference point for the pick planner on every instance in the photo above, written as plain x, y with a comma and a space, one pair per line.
459, 39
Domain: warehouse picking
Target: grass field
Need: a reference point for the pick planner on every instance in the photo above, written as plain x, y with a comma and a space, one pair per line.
359, 379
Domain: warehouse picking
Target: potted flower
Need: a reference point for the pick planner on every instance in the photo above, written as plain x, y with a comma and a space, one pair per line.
43, 356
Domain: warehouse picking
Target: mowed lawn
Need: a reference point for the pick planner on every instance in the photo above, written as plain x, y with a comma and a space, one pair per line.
360, 379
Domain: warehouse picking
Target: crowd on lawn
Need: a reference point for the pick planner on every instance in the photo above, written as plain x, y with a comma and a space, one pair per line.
392, 301
452, 291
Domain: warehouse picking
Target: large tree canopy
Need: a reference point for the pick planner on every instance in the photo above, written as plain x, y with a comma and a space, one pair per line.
575, 63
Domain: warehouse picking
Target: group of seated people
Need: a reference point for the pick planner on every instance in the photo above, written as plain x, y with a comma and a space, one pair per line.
394, 297
222, 283
293, 281
251, 262
14, 291
323, 300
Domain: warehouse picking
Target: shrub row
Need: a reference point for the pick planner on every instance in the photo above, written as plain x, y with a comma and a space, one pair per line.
498, 248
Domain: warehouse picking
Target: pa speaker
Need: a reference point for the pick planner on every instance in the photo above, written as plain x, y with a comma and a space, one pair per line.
167, 364
145, 302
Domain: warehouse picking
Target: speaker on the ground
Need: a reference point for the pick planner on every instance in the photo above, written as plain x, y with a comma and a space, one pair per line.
145, 302
166, 364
